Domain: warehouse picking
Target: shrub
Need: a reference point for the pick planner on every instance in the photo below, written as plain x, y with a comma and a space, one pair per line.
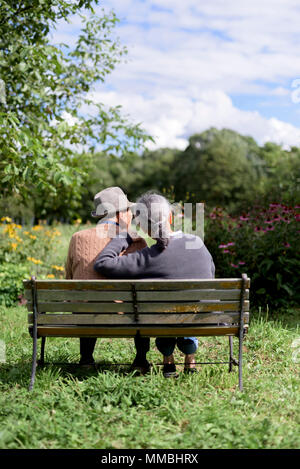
11, 287
263, 243
18, 257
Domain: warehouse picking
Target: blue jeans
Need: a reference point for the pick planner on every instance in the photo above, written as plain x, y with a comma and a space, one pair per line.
186, 345
165, 345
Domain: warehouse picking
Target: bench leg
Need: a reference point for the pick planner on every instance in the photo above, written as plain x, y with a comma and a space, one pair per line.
41, 360
231, 359
34, 355
241, 362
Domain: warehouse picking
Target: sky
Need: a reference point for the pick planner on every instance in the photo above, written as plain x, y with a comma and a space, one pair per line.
195, 64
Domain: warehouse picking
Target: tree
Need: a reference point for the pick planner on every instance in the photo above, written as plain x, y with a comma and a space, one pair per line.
282, 174
219, 167
45, 128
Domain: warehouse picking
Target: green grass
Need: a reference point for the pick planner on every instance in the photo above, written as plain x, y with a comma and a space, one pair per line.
111, 408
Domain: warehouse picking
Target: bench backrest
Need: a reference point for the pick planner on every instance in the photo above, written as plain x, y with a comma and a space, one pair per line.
154, 307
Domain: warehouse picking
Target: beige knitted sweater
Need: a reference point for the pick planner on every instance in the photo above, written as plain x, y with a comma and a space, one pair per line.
86, 245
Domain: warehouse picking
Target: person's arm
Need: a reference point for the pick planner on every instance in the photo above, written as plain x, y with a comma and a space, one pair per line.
110, 264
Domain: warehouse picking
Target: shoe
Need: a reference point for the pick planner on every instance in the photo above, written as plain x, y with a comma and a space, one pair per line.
169, 371
190, 370
140, 366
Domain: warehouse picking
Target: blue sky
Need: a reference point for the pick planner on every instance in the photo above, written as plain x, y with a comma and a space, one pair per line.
194, 64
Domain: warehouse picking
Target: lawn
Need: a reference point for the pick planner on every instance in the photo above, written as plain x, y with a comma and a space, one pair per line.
111, 408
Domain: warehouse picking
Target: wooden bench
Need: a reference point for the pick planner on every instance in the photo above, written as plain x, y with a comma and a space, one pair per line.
151, 308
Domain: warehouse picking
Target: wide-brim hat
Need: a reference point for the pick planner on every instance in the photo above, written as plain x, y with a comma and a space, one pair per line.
109, 202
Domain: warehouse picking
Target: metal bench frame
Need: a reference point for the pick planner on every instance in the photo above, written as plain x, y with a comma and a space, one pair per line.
240, 327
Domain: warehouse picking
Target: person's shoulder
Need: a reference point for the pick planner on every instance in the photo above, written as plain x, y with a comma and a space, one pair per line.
83, 234
188, 238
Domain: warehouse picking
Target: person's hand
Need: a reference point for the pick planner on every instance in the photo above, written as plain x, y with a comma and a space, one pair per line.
135, 236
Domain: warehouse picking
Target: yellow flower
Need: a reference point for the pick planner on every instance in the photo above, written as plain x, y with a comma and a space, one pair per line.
35, 261
57, 267
77, 222
26, 232
50, 276
14, 246
9, 220
32, 236
37, 228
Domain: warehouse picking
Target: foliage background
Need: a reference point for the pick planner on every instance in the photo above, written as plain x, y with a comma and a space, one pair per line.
58, 149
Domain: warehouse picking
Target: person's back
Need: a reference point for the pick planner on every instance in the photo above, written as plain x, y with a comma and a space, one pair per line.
185, 257
85, 246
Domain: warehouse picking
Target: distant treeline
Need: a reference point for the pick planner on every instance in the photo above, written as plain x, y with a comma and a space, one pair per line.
218, 167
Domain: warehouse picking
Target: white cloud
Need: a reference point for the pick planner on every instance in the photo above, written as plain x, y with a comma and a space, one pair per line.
172, 119
187, 57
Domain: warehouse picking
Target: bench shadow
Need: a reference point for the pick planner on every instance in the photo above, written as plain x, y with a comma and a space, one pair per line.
19, 373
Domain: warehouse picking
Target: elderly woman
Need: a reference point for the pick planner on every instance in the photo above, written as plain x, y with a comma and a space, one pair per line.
169, 258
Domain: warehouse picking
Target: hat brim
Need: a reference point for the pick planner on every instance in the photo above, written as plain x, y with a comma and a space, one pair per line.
94, 213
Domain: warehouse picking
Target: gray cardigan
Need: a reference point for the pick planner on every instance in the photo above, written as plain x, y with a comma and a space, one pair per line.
185, 257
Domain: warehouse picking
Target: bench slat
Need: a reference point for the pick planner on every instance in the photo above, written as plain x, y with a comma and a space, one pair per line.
123, 285
191, 295
75, 295
185, 307
84, 307
127, 319
218, 284
175, 307
90, 331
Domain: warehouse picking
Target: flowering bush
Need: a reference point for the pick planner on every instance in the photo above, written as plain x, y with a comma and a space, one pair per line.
262, 243
19, 248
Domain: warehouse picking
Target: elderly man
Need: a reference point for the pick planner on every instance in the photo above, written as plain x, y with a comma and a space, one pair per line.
112, 208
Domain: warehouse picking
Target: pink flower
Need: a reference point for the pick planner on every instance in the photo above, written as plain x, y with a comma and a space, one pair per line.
287, 245
230, 244
242, 218
222, 246
242, 262
268, 221
235, 266
257, 228
270, 228
226, 251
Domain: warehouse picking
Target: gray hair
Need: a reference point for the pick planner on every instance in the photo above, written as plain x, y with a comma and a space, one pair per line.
152, 212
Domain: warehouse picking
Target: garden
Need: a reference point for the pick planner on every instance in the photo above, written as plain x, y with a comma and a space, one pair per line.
59, 147
111, 407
